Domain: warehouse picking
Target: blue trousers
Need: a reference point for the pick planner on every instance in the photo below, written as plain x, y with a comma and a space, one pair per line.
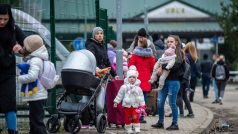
170, 89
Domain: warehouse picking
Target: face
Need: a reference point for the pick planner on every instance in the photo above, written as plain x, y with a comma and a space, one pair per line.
99, 36
142, 39
132, 80
4, 20
171, 41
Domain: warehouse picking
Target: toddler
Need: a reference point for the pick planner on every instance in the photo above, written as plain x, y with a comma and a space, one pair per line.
132, 99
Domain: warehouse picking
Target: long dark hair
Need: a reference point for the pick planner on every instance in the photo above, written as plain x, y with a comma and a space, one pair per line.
6, 9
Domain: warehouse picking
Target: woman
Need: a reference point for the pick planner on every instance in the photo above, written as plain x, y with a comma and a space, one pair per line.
221, 75
10, 35
96, 46
172, 86
191, 58
142, 57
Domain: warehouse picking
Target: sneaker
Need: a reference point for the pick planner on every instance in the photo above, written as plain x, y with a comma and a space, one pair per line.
157, 125
173, 127
190, 116
143, 121
215, 101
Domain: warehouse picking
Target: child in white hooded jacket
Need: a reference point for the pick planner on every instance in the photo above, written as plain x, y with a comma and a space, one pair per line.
34, 52
132, 98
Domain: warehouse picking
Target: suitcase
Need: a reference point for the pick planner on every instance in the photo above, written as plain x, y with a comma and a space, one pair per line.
114, 115
151, 105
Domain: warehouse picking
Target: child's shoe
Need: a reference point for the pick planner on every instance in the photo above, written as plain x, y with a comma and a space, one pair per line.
129, 129
137, 128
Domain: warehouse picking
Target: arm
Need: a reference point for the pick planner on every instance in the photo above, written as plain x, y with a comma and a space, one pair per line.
142, 101
33, 73
170, 64
154, 77
131, 48
227, 72
177, 65
120, 94
20, 36
132, 61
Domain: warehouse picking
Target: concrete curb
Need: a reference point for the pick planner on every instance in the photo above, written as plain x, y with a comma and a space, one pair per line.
205, 127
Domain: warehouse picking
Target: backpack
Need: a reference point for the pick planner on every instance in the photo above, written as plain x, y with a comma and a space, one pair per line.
48, 77
220, 73
187, 72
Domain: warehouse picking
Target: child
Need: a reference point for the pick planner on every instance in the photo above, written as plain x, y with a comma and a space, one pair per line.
35, 52
132, 99
167, 58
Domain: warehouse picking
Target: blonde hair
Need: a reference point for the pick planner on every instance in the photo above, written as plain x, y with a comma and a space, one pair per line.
191, 49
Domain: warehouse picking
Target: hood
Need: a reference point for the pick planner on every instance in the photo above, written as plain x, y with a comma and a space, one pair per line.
143, 52
41, 53
93, 40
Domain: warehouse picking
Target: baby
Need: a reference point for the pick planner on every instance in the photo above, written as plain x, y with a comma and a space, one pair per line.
167, 58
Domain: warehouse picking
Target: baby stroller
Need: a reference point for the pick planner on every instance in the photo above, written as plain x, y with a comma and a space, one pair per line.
78, 78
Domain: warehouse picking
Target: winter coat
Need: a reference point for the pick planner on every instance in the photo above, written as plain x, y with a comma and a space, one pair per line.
111, 55
100, 53
130, 95
35, 59
135, 43
8, 67
206, 67
144, 62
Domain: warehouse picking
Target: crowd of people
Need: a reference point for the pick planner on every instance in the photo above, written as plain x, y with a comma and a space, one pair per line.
176, 72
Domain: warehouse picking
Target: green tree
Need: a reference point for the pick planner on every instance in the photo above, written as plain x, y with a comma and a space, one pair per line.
228, 21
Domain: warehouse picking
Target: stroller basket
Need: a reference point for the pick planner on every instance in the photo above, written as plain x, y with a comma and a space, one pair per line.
79, 82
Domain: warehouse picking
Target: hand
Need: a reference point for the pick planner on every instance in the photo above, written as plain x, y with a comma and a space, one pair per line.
115, 105
151, 81
117, 77
17, 48
160, 71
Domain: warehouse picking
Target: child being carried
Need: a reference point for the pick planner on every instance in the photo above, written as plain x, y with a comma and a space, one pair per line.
167, 58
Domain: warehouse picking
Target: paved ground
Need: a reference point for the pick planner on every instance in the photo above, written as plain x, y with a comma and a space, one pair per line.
199, 124
223, 114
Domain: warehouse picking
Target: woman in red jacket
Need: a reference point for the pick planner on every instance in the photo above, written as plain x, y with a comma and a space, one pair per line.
144, 61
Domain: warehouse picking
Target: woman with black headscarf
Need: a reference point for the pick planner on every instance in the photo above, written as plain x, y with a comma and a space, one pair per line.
11, 41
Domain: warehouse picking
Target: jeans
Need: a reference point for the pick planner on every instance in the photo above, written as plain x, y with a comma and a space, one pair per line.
170, 89
215, 89
221, 88
205, 85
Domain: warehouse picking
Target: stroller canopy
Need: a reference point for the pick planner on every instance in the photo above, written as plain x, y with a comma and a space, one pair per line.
82, 60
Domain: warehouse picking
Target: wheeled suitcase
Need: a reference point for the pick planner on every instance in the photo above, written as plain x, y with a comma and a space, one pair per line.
114, 115
151, 105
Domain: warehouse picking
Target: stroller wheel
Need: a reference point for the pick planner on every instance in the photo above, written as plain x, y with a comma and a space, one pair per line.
74, 125
66, 121
101, 123
53, 124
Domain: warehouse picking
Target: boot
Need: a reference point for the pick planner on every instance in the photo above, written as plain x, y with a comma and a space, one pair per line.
137, 128
12, 131
129, 129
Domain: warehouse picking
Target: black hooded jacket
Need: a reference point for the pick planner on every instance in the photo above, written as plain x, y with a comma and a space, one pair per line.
100, 53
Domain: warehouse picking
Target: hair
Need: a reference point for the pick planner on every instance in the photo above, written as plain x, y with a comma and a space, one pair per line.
191, 49
179, 53
5, 9
222, 57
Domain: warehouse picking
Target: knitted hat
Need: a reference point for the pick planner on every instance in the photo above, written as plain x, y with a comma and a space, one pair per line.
95, 30
132, 72
169, 52
142, 32
33, 42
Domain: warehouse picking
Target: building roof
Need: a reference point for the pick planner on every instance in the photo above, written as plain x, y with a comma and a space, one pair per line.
132, 8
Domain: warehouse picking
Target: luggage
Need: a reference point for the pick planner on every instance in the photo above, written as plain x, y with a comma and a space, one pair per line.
114, 115
151, 105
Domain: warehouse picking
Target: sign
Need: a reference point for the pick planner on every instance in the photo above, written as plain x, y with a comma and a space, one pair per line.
176, 9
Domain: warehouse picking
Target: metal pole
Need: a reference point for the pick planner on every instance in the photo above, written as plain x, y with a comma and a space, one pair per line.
119, 40
97, 12
216, 48
146, 21
52, 94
